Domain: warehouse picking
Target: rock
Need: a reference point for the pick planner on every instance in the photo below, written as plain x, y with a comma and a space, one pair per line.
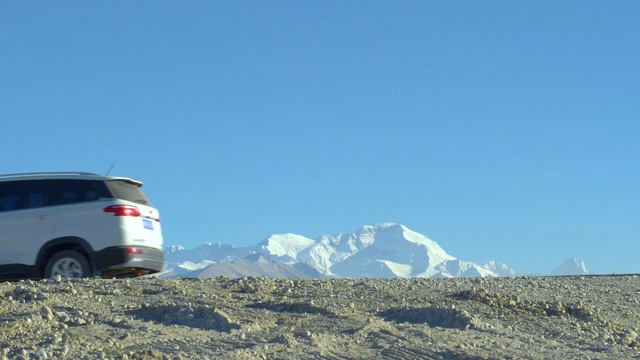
41, 354
46, 312
629, 338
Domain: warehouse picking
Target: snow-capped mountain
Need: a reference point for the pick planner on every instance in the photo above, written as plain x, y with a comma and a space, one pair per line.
389, 250
214, 252
572, 266
283, 247
255, 265
382, 251
499, 269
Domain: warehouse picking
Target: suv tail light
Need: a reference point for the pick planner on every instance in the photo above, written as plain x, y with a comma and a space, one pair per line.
122, 210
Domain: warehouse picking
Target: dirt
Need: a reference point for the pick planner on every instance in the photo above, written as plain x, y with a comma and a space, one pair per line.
588, 317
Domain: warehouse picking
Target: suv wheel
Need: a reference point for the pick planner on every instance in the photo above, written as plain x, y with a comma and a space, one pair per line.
68, 264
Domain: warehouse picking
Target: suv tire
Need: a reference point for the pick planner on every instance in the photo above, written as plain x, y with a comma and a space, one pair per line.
68, 264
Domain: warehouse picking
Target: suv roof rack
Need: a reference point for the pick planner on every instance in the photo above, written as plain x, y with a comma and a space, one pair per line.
49, 173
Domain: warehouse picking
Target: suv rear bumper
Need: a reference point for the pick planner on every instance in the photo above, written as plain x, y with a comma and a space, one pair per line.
128, 259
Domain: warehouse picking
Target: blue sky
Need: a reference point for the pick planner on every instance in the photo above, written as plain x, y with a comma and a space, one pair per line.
502, 130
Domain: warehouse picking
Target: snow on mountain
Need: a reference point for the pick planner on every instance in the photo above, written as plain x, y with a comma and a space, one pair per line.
457, 268
215, 252
572, 266
382, 251
191, 266
283, 247
396, 244
499, 269
385, 269
255, 265
331, 249
174, 249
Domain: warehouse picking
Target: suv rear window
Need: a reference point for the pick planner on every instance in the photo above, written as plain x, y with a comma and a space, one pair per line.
124, 190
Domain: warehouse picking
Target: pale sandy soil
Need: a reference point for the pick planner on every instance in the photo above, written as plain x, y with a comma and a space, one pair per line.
261, 318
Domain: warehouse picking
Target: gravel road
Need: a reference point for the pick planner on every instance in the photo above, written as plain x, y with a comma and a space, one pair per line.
589, 317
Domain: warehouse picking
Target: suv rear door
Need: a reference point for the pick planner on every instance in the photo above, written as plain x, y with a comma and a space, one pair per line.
145, 229
27, 219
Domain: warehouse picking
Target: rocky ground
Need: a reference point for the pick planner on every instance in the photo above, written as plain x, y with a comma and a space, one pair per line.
262, 318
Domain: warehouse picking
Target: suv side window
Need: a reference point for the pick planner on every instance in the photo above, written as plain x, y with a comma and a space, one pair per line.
76, 191
29, 194
8, 196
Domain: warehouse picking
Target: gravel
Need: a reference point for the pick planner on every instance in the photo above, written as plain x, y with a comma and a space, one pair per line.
586, 317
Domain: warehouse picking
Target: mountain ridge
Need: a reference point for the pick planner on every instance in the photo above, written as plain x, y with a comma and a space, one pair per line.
386, 250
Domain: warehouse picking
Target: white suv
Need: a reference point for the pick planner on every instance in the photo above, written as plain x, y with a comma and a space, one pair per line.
76, 225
